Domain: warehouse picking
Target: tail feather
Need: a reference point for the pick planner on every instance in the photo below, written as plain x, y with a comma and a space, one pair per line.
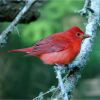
26, 50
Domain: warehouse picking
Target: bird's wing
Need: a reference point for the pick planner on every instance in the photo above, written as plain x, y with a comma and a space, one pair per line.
54, 43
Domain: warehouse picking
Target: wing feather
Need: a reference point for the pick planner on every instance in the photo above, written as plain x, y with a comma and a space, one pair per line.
54, 43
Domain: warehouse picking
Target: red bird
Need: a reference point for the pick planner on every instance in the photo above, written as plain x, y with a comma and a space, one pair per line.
59, 48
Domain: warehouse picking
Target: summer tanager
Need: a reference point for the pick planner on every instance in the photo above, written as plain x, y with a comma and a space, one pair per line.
59, 48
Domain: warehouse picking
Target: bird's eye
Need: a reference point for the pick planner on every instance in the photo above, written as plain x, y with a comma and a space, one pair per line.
78, 34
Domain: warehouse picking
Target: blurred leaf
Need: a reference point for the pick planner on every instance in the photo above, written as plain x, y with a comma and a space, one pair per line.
37, 30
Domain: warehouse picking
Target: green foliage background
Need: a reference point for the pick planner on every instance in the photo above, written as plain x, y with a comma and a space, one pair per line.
24, 77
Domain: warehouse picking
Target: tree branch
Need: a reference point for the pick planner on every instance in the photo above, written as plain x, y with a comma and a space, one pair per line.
10, 28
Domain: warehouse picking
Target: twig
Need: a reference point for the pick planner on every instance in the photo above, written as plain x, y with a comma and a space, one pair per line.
10, 28
58, 69
51, 90
84, 10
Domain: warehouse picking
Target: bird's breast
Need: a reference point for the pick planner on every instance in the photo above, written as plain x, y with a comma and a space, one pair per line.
62, 57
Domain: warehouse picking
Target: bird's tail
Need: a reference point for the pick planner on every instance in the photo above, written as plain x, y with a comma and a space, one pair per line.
26, 50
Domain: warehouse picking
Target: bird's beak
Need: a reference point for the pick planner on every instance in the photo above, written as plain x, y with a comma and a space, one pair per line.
86, 36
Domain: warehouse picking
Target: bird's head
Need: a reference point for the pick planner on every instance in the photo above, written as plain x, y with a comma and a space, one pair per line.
77, 33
